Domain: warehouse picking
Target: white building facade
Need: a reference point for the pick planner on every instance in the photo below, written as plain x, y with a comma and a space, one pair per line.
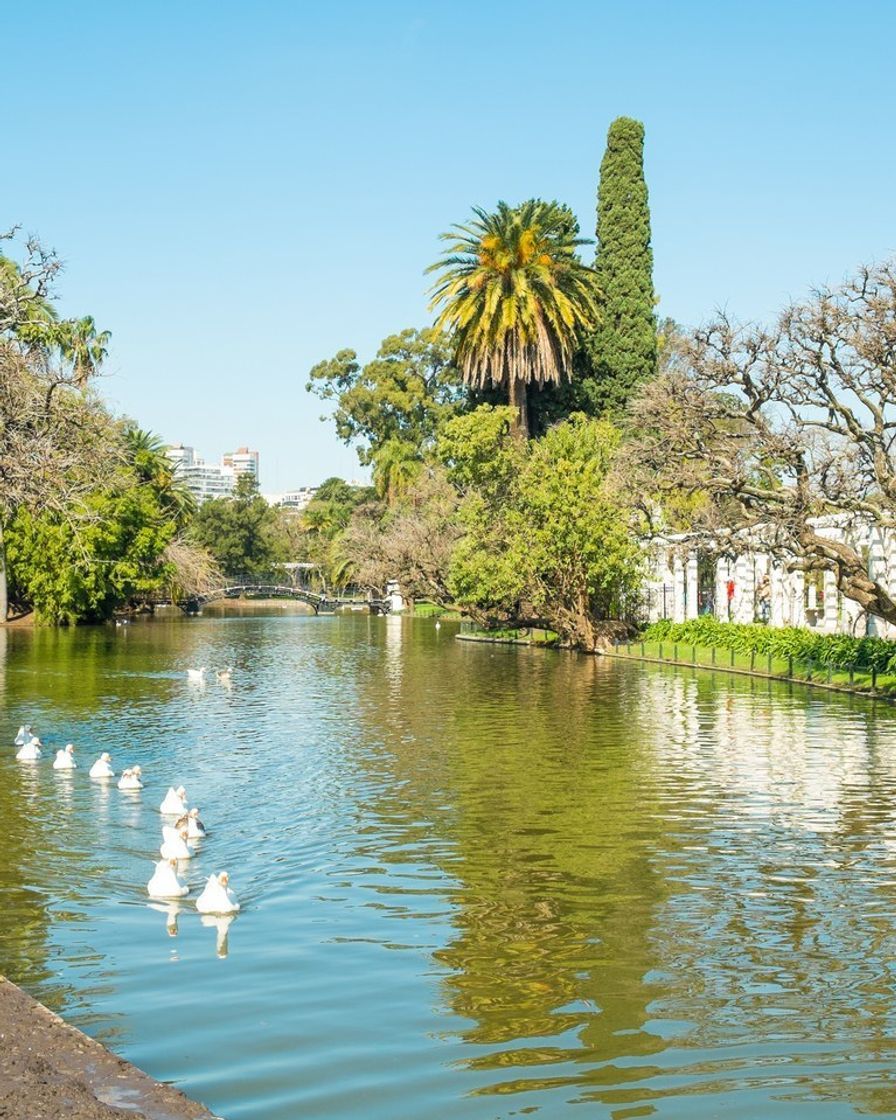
211, 480
748, 585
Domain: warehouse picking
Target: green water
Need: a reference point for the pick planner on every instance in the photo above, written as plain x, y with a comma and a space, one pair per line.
477, 881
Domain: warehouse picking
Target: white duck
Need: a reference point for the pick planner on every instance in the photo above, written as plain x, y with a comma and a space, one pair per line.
175, 803
165, 882
216, 897
191, 822
65, 760
130, 778
174, 843
23, 735
30, 751
102, 768
196, 674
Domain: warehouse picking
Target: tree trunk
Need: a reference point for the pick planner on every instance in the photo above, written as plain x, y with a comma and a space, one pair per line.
851, 575
517, 398
4, 586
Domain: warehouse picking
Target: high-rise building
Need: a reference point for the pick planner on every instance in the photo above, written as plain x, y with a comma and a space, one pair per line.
243, 461
211, 480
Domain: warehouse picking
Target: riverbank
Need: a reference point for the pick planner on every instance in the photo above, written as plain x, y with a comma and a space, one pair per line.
867, 683
49, 1069
545, 639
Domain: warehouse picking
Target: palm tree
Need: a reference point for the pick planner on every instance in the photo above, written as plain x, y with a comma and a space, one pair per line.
146, 452
515, 297
396, 465
83, 345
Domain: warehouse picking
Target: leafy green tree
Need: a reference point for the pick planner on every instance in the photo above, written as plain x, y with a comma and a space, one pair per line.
146, 451
324, 522
515, 298
54, 445
548, 534
392, 406
411, 540
80, 569
623, 346
242, 533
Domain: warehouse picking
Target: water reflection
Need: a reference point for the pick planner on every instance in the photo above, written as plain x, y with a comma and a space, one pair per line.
571, 881
221, 924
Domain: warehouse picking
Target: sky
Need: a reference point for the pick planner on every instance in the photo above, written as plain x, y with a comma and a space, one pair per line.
239, 190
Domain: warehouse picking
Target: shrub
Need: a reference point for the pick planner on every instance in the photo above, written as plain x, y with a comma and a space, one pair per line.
835, 651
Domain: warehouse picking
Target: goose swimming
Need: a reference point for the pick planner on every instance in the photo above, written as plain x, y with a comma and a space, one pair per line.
23, 735
130, 778
65, 760
175, 803
191, 822
225, 675
165, 882
102, 767
30, 751
174, 843
216, 897
196, 674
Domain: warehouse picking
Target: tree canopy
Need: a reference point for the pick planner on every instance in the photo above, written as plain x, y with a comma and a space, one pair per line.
392, 407
623, 345
514, 296
787, 432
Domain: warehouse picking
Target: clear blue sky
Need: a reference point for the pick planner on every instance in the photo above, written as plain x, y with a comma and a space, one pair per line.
241, 189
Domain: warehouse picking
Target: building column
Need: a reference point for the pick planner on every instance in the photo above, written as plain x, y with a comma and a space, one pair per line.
692, 581
678, 589
831, 612
777, 578
797, 588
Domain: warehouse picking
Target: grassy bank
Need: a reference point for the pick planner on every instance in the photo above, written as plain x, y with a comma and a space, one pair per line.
834, 660
526, 636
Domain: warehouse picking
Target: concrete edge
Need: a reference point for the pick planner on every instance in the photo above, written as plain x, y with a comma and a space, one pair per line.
41, 1056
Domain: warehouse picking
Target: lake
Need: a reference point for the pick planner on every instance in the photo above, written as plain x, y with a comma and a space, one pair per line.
477, 881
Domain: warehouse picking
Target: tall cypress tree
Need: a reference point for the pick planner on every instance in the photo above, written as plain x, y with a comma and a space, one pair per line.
623, 349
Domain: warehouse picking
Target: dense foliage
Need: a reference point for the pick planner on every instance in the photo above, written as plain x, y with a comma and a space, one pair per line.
392, 407
838, 651
515, 298
623, 347
546, 532
241, 533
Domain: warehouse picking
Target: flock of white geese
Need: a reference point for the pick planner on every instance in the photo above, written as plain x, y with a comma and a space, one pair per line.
181, 826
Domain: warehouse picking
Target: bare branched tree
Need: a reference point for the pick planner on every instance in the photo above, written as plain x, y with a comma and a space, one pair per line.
787, 432
195, 570
412, 543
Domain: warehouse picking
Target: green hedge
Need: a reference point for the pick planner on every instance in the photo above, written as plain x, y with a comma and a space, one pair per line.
837, 651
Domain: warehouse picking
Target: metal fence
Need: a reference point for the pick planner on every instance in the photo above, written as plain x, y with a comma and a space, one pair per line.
859, 678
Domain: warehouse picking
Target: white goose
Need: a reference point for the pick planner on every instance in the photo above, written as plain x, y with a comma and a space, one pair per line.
23, 735
65, 760
165, 882
130, 778
225, 676
102, 768
196, 675
174, 843
175, 803
191, 822
216, 897
30, 751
